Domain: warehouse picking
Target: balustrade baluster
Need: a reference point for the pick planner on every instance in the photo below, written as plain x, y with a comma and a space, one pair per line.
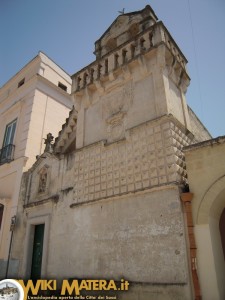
106, 66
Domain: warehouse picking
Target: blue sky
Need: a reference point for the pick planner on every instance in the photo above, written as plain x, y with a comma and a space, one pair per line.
66, 30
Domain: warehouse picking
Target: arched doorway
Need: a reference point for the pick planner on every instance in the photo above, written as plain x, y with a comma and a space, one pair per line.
210, 232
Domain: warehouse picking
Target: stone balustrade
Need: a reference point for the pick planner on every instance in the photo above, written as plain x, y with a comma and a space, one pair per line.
125, 53
174, 49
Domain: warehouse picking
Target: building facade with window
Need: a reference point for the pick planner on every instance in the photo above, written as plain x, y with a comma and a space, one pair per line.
106, 203
33, 102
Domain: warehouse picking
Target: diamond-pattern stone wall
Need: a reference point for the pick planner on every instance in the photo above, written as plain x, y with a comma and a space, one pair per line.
150, 156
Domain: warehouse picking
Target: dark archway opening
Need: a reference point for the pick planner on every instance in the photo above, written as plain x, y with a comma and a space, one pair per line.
222, 231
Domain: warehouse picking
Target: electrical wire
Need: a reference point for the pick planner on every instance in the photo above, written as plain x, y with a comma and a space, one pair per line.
196, 62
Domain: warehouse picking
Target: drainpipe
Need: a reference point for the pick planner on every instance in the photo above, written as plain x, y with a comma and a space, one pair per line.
12, 226
186, 199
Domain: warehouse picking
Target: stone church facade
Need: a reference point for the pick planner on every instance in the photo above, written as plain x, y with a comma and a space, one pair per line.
107, 192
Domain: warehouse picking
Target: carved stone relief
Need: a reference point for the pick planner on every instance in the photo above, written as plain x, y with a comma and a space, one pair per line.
116, 126
115, 108
43, 177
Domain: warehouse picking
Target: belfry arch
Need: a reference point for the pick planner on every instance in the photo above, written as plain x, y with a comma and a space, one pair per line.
208, 227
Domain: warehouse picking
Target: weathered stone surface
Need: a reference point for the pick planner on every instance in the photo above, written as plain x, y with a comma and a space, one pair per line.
206, 173
140, 237
110, 201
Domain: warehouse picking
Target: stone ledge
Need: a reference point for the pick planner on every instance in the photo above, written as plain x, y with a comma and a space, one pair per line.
215, 141
171, 185
53, 198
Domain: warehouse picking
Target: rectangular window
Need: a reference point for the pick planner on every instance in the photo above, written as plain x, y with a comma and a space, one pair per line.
62, 86
9, 133
7, 151
21, 82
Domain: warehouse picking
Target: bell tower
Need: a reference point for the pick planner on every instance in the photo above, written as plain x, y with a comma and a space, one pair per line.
139, 75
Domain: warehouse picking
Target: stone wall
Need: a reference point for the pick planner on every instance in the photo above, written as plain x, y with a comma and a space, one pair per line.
114, 211
198, 129
138, 236
150, 156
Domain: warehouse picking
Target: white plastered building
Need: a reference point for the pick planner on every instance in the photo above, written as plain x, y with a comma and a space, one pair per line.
32, 103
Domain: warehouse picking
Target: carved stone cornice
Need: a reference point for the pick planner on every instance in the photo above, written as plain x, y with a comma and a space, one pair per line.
68, 133
117, 62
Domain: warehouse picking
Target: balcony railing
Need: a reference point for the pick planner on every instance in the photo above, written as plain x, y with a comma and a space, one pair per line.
7, 154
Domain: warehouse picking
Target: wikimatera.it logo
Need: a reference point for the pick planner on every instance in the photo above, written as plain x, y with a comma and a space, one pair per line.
68, 289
